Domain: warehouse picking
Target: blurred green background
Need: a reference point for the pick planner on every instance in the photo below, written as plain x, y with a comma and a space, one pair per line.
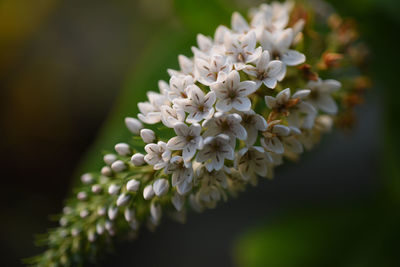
71, 70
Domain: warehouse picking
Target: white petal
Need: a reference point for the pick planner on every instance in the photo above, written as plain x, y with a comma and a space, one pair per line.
239, 24
241, 104
281, 130
327, 104
293, 58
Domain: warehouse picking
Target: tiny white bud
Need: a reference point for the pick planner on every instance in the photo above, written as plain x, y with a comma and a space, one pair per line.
106, 171
123, 149
123, 199
101, 211
100, 228
118, 166
96, 188
129, 214
113, 189
134, 125
137, 159
108, 225
63, 221
67, 210
91, 236
161, 187
109, 158
84, 213
75, 232
112, 213
155, 212
178, 201
87, 178
133, 185
147, 135
81, 196
148, 192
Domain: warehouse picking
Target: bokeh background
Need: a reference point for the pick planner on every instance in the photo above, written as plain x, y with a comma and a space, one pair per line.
71, 70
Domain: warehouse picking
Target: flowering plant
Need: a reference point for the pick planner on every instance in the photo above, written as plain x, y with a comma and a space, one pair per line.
246, 101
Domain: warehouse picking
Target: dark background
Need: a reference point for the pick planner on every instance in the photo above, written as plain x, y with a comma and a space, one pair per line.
66, 66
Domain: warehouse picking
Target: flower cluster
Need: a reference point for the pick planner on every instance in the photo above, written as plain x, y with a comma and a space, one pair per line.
231, 113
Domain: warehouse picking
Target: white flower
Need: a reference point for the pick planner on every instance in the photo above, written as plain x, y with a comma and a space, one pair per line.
271, 17
172, 115
122, 149
266, 71
239, 24
278, 44
216, 150
209, 71
228, 124
188, 140
157, 155
253, 123
178, 86
134, 125
271, 141
251, 161
232, 93
138, 159
321, 95
150, 111
182, 174
242, 49
186, 65
160, 187
147, 135
199, 106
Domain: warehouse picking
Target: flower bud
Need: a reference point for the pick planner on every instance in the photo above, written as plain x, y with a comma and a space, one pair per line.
75, 232
83, 213
81, 196
109, 158
106, 171
96, 188
161, 187
63, 221
147, 135
122, 199
109, 226
113, 189
100, 228
87, 178
91, 236
178, 201
133, 185
148, 192
123, 149
112, 213
118, 166
137, 159
129, 214
134, 125
101, 211
155, 212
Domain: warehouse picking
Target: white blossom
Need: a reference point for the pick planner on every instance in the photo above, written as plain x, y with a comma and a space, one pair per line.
321, 95
271, 137
172, 115
251, 161
253, 124
188, 140
150, 111
186, 67
267, 72
232, 93
199, 106
242, 50
228, 124
157, 155
182, 174
216, 150
212, 70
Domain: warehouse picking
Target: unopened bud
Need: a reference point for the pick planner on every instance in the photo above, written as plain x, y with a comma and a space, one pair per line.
96, 188
63, 221
84, 213
134, 125
123, 149
100, 228
155, 212
129, 214
148, 192
178, 201
87, 178
137, 159
118, 166
133, 185
91, 236
106, 171
147, 135
113, 189
109, 158
161, 187
112, 213
122, 199
81, 196
75, 232
101, 211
